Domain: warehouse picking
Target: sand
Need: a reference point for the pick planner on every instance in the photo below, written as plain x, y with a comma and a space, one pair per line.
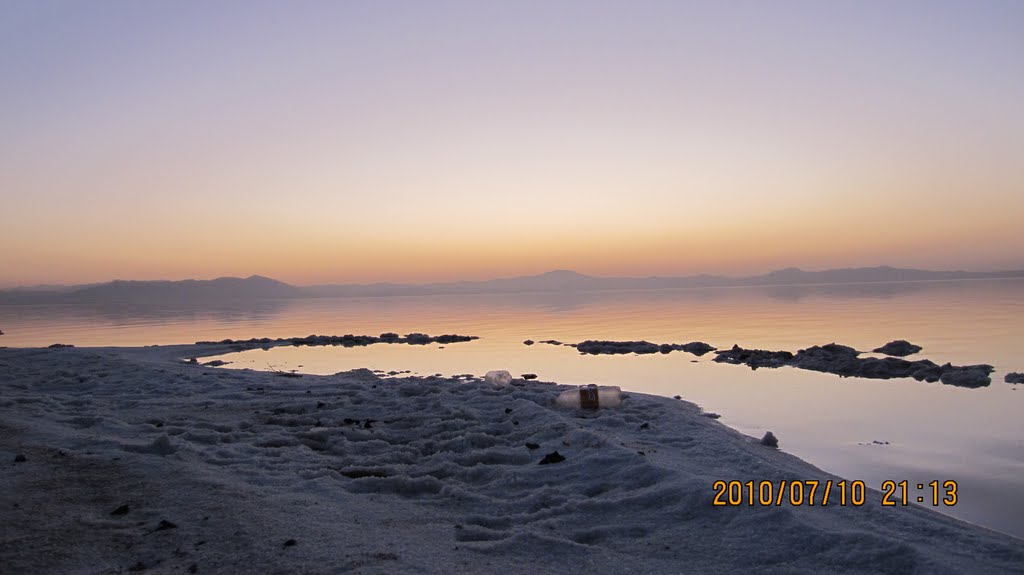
135, 461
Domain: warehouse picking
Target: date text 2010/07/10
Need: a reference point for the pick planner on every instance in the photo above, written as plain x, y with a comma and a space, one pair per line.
812, 492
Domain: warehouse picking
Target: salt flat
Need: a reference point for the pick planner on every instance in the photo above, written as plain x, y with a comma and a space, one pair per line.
233, 471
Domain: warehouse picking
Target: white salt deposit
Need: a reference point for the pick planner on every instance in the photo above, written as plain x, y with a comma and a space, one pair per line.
498, 377
134, 460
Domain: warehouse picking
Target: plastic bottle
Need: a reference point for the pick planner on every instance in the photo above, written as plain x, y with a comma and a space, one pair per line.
498, 377
590, 397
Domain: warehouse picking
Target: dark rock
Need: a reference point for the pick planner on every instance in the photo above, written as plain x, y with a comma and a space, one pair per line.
122, 510
553, 457
754, 358
677, 397
1014, 378
216, 363
899, 348
165, 525
60, 345
968, 376
601, 347
710, 415
290, 543
19, 458
347, 340
451, 338
770, 440
528, 342
532, 446
417, 338
361, 473
645, 425
529, 376
830, 358
697, 348
192, 360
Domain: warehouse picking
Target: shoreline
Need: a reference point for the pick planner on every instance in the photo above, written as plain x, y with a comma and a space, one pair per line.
420, 474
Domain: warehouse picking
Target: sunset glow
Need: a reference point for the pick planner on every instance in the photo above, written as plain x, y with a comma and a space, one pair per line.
359, 142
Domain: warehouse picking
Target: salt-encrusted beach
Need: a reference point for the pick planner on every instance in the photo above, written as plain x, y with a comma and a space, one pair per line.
135, 461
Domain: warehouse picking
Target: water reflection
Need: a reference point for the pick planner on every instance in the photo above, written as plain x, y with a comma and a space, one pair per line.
935, 432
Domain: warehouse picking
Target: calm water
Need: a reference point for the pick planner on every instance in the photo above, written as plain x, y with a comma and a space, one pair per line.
975, 437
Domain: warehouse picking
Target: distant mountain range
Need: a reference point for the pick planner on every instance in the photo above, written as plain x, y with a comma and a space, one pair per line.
144, 292
258, 287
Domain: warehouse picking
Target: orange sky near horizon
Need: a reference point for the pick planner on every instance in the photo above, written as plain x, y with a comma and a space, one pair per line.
348, 144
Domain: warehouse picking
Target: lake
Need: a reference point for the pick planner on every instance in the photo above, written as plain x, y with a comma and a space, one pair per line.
924, 431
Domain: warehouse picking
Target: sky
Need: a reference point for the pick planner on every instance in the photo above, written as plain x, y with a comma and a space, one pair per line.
359, 141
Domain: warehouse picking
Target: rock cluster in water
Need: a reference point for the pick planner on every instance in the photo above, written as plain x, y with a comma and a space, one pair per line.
347, 340
1014, 378
845, 361
601, 347
834, 358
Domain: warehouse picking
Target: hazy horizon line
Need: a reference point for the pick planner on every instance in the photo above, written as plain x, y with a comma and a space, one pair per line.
45, 286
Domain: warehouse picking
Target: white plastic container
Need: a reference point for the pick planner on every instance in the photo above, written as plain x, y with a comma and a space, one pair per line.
590, 397
498, 377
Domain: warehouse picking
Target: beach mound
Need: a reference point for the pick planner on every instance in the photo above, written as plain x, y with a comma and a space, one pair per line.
135, 461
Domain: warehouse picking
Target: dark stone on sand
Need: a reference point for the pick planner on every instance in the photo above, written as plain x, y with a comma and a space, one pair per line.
59, 345
216, 363
290, 543
529, 376
677, 397
361, 473
122, 510
19, 458
710, 415
532, 446
553, 457
1014, 378
770, 440
165, 525
898, 348
528, 342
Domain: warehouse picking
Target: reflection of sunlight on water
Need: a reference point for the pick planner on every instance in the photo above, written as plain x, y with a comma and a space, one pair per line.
935, 431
